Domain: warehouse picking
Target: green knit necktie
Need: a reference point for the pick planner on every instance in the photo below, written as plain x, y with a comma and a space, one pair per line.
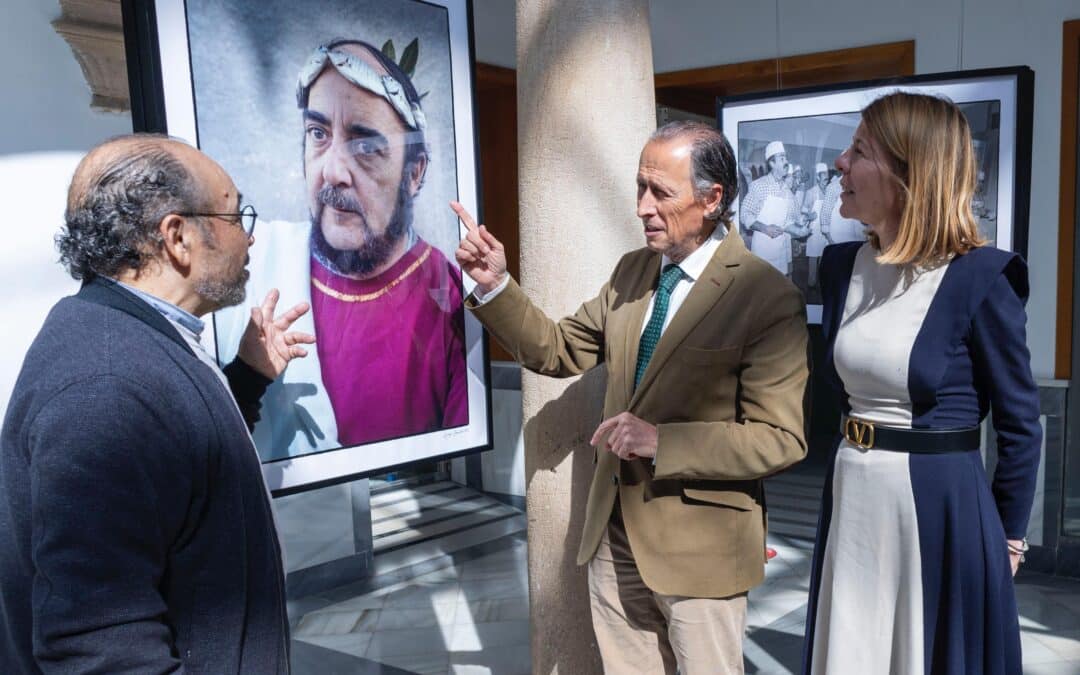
670, 277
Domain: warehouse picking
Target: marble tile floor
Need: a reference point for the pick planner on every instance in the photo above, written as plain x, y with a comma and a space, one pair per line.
472, 616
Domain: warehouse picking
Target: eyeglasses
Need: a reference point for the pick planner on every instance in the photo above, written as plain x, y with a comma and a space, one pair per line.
245, 218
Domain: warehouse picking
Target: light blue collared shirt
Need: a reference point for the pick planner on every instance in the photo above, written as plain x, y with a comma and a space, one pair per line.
170, 311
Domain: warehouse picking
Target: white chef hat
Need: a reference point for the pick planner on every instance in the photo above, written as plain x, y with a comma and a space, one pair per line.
774, 148
821, 168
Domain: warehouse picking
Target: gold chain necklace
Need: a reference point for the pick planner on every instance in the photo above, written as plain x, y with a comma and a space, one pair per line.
367, 297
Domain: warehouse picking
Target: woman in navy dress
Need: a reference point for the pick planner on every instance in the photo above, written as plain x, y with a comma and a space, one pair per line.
925, 331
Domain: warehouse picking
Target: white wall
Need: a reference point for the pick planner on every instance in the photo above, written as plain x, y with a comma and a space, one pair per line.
995, 33
45, 126
46, 99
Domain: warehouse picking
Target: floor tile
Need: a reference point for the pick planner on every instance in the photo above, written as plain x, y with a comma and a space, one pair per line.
500, 587
482, 636
1053, 668
1036, 652
1042, 609
495, 609
333, 621
489, 569
355, 644
422, 664
1066, 645
514, 660
388, 643
422, 595
439, 614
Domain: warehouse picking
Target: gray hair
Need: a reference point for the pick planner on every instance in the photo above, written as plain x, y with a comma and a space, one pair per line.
712, 161
115, 205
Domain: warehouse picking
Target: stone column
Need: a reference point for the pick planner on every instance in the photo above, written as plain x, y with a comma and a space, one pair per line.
585, 108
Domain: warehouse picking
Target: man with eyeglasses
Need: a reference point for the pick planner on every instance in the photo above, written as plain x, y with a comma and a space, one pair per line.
136, 532
386, 305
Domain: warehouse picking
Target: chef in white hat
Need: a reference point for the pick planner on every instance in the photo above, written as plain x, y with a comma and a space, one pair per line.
769, 211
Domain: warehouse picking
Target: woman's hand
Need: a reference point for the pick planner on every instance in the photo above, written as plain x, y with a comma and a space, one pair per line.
1017, 548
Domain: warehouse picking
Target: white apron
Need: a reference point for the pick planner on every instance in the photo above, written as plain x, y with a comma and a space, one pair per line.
776, 252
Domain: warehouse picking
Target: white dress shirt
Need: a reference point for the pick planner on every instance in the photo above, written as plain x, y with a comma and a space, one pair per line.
693, 266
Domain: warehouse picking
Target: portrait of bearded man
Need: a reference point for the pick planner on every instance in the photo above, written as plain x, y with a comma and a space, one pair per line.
387, 315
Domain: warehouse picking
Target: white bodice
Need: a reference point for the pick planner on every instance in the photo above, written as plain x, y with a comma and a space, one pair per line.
884, 311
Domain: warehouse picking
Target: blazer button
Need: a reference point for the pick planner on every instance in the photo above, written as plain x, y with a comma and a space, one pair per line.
614, 479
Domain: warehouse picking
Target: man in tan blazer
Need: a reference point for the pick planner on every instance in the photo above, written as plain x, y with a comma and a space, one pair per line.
705, 347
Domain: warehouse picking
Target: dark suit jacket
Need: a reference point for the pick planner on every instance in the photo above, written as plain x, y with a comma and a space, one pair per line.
725, 388
135, 530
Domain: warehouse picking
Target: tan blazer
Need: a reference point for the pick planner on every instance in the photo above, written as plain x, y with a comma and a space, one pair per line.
725, 389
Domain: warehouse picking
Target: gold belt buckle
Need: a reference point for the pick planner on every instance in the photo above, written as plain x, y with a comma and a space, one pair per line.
859, 432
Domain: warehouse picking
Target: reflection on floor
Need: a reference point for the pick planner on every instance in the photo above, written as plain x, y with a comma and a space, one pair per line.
464, 608
450, 592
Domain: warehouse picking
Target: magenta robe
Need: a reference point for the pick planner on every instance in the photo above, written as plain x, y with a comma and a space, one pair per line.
392, 348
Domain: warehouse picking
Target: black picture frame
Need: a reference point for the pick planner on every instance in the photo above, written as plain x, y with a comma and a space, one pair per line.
166, 80
801, 119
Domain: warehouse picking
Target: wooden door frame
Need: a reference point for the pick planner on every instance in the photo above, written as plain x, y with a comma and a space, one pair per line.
1070, 99
695, 90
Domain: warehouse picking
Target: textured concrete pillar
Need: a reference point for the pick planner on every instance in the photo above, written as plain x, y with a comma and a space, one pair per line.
585, 107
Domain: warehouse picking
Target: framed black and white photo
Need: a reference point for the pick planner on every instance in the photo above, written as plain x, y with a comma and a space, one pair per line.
787, 143
348, 125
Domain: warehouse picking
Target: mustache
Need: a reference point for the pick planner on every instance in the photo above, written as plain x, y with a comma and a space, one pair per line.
337, 198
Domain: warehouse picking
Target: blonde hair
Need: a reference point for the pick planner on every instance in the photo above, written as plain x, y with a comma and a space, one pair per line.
929, 142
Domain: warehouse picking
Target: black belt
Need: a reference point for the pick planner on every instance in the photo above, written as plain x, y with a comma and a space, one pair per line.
867, 435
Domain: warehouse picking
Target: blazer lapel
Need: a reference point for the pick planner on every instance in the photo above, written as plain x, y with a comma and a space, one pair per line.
707, 291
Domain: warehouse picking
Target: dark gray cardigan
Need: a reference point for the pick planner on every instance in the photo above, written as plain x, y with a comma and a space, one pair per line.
135, 531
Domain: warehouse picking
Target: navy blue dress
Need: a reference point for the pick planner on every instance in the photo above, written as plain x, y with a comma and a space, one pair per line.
967, 358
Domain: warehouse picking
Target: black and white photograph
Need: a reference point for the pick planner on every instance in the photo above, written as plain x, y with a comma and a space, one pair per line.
348, 126
788, 208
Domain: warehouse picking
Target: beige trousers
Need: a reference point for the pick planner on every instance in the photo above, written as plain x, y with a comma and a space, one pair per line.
641, 631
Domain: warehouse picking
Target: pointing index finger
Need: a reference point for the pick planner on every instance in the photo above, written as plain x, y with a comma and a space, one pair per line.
465, 216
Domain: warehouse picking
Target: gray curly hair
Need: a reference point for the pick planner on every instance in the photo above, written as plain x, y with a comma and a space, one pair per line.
121, 191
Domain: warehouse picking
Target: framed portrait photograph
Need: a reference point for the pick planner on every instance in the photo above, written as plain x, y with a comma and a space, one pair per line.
348, 126
787, 143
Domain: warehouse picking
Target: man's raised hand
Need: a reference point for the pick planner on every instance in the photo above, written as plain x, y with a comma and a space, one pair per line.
267, 344
479, 254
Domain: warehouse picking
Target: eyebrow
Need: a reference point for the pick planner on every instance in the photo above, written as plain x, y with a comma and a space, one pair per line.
358, 130
316, 117
239, 199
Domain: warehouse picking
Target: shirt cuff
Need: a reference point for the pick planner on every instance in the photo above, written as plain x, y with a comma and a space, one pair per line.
484, 298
